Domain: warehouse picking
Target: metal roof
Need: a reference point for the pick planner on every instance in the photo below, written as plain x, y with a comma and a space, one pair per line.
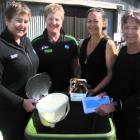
88, 3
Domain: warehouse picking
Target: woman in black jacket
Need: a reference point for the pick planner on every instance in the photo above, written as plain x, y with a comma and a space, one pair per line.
18, 62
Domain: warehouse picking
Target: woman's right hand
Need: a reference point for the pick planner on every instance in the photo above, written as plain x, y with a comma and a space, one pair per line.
29, 104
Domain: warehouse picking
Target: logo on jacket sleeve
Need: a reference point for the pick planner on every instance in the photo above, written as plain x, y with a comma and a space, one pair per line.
66, 46
14, 56
46, 49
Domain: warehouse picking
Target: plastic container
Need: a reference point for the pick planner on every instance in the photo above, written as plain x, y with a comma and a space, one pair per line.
77, 96
1, 137
78, 89
53, 108
76, 126
32, 134
91, 103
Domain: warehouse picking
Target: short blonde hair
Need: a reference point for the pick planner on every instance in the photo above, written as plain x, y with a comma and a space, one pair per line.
131, 14
52, 8
15, 8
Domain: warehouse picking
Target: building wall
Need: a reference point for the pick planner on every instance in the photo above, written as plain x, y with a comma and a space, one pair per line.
37, 23
75, 17
74, 21
128, 3
2, 22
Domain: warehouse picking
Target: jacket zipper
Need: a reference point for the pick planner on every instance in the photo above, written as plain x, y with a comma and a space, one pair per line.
28, 57
27, 54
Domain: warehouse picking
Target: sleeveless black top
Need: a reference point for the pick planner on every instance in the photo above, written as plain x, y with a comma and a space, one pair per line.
93, 66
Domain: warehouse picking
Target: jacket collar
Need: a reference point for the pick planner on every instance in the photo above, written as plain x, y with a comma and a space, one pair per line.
9, 37
46, 36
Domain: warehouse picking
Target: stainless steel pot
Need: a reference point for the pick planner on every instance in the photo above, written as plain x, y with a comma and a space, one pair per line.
38, 86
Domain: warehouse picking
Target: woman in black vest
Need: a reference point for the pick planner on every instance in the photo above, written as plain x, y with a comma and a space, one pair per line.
97, 53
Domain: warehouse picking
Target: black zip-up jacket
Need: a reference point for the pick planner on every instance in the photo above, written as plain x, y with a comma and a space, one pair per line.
17, 64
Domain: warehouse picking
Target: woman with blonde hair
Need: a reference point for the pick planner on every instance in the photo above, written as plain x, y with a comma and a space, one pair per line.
57, 51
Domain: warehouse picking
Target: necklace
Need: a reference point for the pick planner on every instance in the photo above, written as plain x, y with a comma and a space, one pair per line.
90, 48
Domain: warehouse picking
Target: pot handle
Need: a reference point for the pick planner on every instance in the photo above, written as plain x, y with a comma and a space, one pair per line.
67, 111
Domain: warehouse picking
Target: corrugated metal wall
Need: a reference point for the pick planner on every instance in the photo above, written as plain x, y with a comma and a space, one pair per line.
74, 22
2, 9
37, 23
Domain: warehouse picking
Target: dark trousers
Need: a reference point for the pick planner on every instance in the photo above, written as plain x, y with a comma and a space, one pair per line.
12, 123
126, 127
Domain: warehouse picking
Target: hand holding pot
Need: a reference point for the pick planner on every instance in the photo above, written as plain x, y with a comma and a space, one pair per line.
29, 104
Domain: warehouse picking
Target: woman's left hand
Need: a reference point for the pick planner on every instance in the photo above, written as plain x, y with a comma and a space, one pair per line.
29, 104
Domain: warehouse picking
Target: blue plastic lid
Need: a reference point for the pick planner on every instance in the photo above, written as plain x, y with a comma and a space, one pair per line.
91, 103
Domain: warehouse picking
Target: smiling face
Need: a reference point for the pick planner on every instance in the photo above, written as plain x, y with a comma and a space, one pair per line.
131, 31
54, 22
18, 25
95, 23
131, 27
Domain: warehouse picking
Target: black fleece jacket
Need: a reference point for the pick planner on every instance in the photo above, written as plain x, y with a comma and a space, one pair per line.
17, 64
